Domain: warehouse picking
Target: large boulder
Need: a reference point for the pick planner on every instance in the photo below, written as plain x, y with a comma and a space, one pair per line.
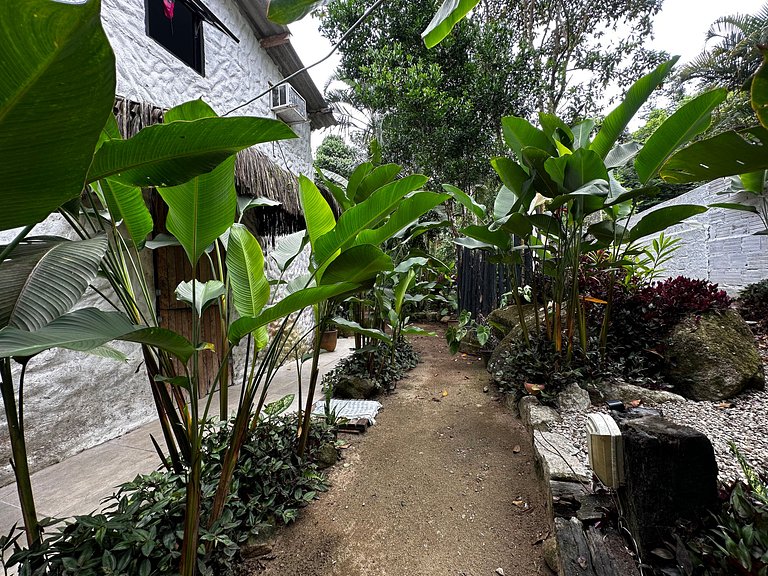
713, 356
505, 321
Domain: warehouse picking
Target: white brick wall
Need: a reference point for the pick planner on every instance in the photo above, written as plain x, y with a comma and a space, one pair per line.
718, 245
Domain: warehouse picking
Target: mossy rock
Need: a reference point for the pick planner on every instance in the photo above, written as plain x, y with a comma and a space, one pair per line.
713, 356
505, 321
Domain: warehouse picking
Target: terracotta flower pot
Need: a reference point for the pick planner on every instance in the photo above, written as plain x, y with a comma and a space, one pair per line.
328, 340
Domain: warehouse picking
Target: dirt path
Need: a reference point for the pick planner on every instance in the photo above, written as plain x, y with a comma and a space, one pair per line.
435, 488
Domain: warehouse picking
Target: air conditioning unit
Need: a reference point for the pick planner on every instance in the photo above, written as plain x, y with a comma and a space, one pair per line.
606, 449
288, 104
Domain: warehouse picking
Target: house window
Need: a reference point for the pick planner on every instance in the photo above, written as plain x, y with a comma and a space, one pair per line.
182, 35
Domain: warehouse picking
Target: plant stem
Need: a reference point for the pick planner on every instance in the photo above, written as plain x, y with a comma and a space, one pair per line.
19, 463
311, 388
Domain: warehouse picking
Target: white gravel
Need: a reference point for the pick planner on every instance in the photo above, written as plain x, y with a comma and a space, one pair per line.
745, 424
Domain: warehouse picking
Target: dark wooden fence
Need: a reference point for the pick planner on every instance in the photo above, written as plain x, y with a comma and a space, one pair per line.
481, 283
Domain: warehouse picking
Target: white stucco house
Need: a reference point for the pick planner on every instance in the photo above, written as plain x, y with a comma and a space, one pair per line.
225, 52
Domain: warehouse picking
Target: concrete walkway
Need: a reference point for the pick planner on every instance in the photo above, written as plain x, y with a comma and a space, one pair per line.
78, 484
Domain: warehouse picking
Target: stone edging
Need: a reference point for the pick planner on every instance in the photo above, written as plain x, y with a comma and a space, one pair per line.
574, 547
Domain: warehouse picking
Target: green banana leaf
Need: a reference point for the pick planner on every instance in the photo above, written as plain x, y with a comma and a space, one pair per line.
519, 133
317, 213
200, 295
202, 209
288, 305
173, 153
86, 329
448, 15
618, 119
759, 90
466, 200
375, 179
54, 57
287, 11
362, 216
728, 154
287, 249
663, 218
46, 277
355, 327
245, 264
408, 212
689, 120
358, 264
512, 175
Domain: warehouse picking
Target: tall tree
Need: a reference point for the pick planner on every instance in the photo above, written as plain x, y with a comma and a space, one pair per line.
441, 108
336, 155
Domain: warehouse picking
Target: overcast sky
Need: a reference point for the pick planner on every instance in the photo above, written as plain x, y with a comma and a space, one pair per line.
679, 29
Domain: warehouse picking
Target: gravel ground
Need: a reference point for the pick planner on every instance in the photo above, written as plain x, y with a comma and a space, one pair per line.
742, 420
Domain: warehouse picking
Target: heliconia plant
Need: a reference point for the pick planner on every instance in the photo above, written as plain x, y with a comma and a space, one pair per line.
560, 200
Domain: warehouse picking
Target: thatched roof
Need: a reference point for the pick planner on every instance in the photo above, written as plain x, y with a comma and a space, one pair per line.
255, 173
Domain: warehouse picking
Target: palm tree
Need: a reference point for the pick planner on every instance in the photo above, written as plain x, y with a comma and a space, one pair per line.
734, 56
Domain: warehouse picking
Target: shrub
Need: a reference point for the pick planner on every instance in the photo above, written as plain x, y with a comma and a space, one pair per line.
738, 544
753, 303
375, 363
140, 530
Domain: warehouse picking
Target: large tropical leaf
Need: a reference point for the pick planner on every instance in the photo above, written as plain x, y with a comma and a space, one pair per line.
356, 178
288, 305
202, 209
245, 264
519, 133
759, 90
200, 295
621, 154
497, 238
287, 249
359, 264
466, 200
363, 216
317, 213
727, 154
450, 13
504, 202
618, 119
173, 153
511, 173
663, 218
57, 87
408, 212
86, 329
46, 277
287, 11
375, 179
357, 328
691, 119
126, 203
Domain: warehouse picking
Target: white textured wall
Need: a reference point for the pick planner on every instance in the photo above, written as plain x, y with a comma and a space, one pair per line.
718, 245
75, 401
234, 73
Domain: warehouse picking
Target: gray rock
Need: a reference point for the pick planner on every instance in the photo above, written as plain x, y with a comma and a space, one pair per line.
627, 392
535, 416
574, 399
559, 458
670, 476
549, 552
327, 456
505, 321
350, 387
713, 356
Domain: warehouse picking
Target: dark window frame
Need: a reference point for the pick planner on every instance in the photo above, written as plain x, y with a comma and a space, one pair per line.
186, 23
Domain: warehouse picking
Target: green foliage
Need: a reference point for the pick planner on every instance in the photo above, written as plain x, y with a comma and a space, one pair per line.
55, 57
738, 544
466, 327
440, 108
138, 532
753, 303
336, 156
377, 363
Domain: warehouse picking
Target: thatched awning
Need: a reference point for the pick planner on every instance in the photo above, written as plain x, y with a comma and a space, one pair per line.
256, 175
